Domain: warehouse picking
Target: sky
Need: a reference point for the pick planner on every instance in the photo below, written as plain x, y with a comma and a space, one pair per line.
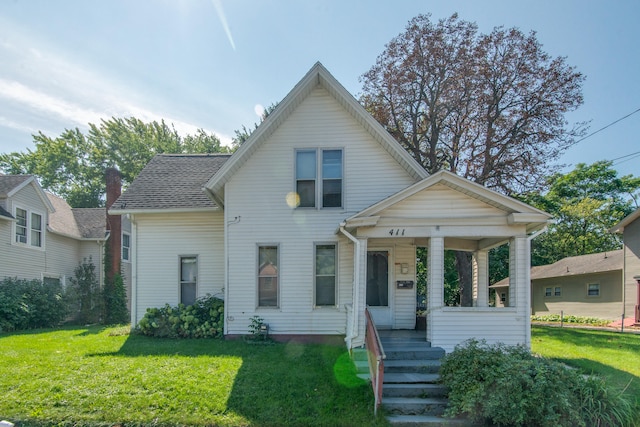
214, 64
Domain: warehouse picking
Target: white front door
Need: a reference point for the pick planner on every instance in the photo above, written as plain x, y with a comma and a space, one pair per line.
378, 289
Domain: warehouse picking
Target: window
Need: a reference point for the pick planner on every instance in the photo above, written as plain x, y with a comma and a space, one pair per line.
593, 290
325, 275
268, 274
126, 246
319, 184
28, 228
188, 279
557, 292
547, 292
36, 230
21, 225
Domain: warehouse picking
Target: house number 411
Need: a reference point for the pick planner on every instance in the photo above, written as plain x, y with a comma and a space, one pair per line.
396, 232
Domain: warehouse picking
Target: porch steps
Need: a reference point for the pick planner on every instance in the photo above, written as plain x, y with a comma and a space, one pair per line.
411, 393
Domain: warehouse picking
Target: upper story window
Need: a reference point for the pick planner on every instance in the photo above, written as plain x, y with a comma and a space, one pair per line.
319, 178
126, 247
28, 228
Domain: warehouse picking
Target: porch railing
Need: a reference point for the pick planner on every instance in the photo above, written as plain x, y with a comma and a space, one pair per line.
375, 356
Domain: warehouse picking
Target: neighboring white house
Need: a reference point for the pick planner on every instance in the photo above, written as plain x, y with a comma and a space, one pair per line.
317, 216
42, 237
630, 229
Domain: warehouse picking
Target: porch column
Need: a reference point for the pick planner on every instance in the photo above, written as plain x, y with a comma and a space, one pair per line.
435, 279
360, 291
481, 278
520, 281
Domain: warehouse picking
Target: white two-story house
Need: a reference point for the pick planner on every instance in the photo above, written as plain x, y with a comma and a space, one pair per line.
314, 219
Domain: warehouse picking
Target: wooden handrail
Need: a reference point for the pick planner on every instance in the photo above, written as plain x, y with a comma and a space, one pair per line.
375, 357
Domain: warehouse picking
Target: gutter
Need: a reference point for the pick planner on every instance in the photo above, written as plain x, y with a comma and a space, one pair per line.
356, 284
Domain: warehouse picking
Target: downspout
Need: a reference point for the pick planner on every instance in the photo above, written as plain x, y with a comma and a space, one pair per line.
134, 271
356, 284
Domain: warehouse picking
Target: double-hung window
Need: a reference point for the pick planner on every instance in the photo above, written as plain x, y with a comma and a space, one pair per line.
319, 178
325, 274
126, 247
268, 274
28, 228
593, 289
188, 279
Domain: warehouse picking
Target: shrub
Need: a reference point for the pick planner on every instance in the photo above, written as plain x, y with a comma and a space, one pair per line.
85, 293
204, 319
29, 304
115, 302
582, 320
505, 385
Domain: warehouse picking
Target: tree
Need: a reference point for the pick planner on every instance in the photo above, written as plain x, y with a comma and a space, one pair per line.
585, 203
72, 165
488, 107
241, 135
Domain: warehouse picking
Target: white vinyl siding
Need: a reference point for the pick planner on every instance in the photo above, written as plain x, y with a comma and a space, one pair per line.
257, 192
158, 242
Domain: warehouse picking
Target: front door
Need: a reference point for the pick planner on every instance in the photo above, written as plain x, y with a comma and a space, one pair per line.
378, 288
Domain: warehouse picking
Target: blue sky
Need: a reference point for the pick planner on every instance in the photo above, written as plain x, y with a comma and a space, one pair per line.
212, 63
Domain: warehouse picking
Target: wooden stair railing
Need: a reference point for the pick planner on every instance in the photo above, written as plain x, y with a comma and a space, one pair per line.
375, 357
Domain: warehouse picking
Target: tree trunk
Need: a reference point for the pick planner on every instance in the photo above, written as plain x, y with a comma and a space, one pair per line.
465, 276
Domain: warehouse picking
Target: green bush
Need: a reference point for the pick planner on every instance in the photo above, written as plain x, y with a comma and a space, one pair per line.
204, 319
505, 385
29, 304
581, 320
115, 302
85, 293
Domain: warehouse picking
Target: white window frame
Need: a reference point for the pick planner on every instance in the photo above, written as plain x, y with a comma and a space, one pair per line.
59, 277
336, 259
278, 276
557, 291
127, 257
28, 228
187, 282
319, 178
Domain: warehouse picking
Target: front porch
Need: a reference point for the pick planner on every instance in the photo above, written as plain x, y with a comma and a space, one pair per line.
442, 212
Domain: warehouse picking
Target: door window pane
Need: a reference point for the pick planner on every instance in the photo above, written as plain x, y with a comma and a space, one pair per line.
377, 278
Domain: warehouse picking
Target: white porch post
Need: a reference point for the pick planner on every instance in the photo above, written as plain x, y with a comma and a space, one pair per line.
481, 278
520, 281
435, 280
361, 304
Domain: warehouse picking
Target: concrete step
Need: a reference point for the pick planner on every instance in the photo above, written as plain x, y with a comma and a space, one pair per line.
415, 405
408, 352
412, 365
425, 421
410, 378
413, 390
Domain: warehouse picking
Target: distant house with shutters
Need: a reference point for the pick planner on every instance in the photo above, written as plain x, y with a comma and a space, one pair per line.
586, 285
42, 237
315, 219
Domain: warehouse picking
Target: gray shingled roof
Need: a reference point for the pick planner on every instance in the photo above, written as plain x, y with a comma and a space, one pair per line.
4, 213
92, 222
172, 181
9, 182
576, 265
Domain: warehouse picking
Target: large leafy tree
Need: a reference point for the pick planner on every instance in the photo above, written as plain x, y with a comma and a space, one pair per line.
72, 165
585, 203
489, 107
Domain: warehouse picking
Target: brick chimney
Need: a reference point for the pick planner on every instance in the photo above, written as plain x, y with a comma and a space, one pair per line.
114, 222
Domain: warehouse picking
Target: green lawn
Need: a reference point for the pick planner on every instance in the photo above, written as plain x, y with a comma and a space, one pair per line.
612, 355
102, 376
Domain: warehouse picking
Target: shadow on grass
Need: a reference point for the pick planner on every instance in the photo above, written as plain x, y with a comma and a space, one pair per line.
279, 384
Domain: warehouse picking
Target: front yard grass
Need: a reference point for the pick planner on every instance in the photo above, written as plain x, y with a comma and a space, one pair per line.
103, 376
614, 356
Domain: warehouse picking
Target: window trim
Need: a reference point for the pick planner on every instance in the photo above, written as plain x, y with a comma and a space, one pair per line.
195, 279
319, 177
336, 259
28, 227
599, 289
128, 247
278, 276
